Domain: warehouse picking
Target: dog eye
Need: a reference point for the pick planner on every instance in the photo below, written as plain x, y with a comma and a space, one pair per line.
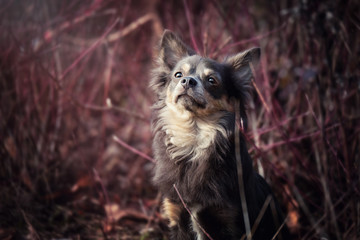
212, 81
178, 75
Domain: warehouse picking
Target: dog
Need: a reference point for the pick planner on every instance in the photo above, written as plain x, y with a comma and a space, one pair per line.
193, 125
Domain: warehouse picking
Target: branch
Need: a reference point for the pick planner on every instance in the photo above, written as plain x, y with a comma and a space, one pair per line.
240, 170
191, 26
134, 150
188, 210
90, 49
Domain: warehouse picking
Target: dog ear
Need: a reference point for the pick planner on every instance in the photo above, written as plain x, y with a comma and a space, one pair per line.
240, 86
241, 63
172, 49
242, 72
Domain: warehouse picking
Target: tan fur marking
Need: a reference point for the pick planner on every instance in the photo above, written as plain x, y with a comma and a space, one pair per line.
186, 67
171, 211
208, 71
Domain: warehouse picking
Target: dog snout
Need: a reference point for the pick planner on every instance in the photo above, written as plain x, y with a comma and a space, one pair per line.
188, 82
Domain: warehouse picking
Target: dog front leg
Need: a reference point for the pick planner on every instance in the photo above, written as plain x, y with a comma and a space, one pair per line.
179, 220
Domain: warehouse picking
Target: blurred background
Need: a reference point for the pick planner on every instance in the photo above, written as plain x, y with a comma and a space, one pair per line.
75, 107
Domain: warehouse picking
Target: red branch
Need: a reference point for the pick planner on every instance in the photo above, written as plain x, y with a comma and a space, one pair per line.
325, 138
191, 26
134, 150
90, 49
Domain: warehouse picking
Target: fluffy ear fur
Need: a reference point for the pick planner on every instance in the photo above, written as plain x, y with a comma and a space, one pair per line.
241, 59
172, 49
242, 73
240, 86
241, 63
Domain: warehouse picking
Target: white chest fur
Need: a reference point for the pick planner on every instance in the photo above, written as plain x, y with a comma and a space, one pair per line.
188, 136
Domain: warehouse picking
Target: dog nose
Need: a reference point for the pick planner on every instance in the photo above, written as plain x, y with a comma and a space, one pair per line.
188, 82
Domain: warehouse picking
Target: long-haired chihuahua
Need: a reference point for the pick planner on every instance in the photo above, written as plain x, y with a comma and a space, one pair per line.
193, 125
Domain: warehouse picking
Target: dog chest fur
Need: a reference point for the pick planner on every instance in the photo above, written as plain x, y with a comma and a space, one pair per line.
188, 137
191, 153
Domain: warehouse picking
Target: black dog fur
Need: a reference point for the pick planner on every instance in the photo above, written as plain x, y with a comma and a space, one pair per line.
193, 126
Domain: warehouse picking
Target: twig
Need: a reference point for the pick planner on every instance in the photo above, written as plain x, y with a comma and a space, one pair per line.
266, 85
256, 138
261, 214
130, 213
51, 34
325, 138
134, 150
273, 114
152, 212
59, 106
34, 234
281, 227
240, 170
90, 49
262, 154
218, 50
326, 193
253, 39
188, 210
339, 201
116, 36
262, 131
305, 209
109, 107
275, 218
103, 189
296, 139
261, 96
131, 27
191, 26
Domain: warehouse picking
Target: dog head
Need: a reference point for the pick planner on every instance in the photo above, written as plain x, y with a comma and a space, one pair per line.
200, 86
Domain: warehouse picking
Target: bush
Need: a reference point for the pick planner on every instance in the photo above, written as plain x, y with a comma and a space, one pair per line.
75, 111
